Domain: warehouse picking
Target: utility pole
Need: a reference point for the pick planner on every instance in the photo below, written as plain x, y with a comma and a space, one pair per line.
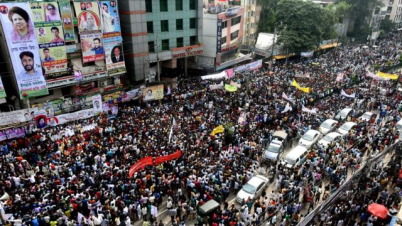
272, 52
157, 59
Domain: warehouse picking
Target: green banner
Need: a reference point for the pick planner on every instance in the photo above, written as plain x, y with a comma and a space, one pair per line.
67, 19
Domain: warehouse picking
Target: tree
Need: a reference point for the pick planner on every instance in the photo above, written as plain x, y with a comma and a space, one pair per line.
387, 26
304, 24
268, 17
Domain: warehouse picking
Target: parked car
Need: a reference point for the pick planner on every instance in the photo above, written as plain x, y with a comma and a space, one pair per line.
368, 117
309, 138
330, 137
344, 114
252, 189
327, 126
346, 127
276, 147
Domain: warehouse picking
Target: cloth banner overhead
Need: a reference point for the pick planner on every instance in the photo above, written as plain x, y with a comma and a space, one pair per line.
250, 66
232, 83
216, 86
304, 89
24, 51
217, 130
230, 88
147, 161
376, 77
311, 111
387, 76
284, 96
343, 93
287, 108
307, 54
215, 76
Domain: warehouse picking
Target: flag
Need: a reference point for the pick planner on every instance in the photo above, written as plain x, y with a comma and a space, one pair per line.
312, 111
217, 130
304, 89
376, 77
307, 54
388, 76
230, 88
343, 93
291, 100
171, 129
235, 84
287, 108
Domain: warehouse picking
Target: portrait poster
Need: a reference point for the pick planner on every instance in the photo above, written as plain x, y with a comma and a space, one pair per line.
114, 55
86, 88
88, 16
113, 98
2, 91
110, 18
153, 93
97, 103
50, 36
67, 20
23, 48
92, 47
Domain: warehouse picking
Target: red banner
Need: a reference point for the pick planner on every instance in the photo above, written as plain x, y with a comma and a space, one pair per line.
147, 161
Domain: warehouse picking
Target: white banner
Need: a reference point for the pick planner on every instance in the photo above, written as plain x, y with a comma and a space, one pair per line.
376, 77
312, 111
343, 93
287, 108
65, 118
216, 86
215, 76
97, 103
251, 66
307, 54
130, 95
13, 117
291, 100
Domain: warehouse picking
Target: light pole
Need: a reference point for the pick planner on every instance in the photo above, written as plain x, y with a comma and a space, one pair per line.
157, 59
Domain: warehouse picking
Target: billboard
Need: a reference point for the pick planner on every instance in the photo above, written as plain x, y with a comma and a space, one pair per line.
92, 46
114, 55
110, 18
153, 93
97, 103
88, 16
67, 20
23, 47
50, 36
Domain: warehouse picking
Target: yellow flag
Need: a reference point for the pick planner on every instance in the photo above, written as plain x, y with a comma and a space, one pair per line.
294, 83
303, 89
230, 88
217, 130
386, 75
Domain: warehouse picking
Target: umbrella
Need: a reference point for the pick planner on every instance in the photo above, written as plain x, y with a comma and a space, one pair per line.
378, 210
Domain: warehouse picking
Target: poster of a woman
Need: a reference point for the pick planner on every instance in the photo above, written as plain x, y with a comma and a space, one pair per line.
23, 29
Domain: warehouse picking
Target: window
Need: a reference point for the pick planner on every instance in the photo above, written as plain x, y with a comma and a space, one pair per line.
179, 5
193, 4
150, 27
234, 35
236, 20
148, 6
163, 5
193, 40
192, 23
165, 44
164, 25
179, 24
180, 42
151, 47
224, 24
224, 40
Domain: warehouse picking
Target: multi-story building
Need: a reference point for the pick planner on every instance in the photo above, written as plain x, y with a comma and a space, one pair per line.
224, 35
75, 48
251, 18
160, 36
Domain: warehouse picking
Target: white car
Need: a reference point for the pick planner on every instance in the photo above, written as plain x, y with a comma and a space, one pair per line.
345, 128
327, 126
330, 137
344, 114
252, 189
366, 117
309, 138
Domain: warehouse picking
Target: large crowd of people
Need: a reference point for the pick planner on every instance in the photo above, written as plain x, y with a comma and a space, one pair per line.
77, 173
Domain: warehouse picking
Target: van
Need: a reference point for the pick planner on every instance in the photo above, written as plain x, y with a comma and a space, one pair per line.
207, 208
296, 157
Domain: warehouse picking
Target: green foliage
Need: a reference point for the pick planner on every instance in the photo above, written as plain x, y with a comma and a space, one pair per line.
304, 24
387, 26
400, 59
341, 9
268, 17
376, 67
389, 63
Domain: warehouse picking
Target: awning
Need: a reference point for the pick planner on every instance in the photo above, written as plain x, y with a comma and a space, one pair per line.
333, 45
280, 57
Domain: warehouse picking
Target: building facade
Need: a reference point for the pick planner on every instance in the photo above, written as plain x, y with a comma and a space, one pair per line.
251, 18
160, 36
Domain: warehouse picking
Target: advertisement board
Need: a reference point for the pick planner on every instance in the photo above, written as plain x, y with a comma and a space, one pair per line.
153, 93
50, 36
88, 16
114, 55
23, 47
110, 18
67, 20
219, 36
92, 46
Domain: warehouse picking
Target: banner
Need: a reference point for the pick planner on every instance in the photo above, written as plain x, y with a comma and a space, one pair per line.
304, 89
376, 77
91, 87
49, 32
42, 121
14, 117
250, 66
92, 46
343, 93
235, 84
387, 76
230, 88
114, 55
2, 90
153, 93
97, 103
130, 95
312, 111
113, 98
147, 161
15, 133
230, 73
307, 54
110, 19
67, 20
216, 86
291, 100
87, 15
22, 44
161, 159
3, 136
287, 108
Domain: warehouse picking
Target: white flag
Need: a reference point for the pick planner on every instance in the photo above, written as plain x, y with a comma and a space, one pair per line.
291, 100
171, 129
312, 111
287, 108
